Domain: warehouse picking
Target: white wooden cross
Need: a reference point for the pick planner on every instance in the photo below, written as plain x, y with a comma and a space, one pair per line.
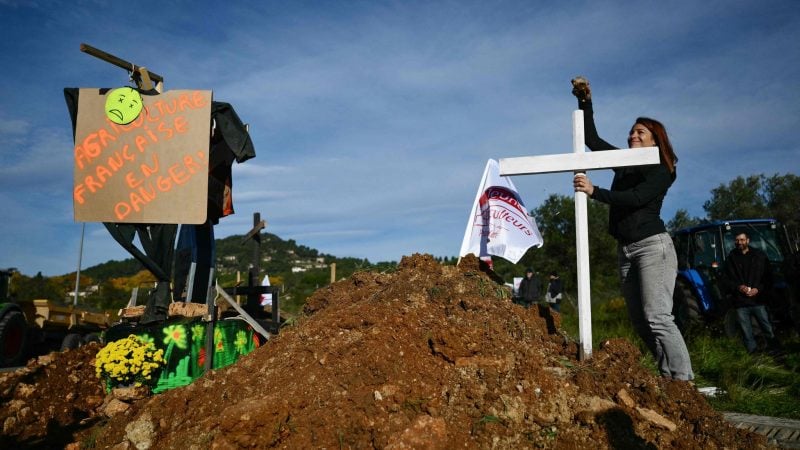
577, 162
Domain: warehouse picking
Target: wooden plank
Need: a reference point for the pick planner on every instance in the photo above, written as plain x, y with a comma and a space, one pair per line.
247, 317
119, 62
255, 230
527, 165
784, 432
187, 309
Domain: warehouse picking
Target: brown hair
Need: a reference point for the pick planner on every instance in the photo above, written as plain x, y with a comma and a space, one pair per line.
668, 157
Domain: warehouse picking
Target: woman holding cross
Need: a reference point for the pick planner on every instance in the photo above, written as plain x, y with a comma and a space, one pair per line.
647, 260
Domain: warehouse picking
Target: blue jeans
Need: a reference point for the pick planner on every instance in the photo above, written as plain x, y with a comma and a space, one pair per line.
743, 314
648, 269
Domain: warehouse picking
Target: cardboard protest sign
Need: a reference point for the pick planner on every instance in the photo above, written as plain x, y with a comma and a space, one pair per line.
151, 170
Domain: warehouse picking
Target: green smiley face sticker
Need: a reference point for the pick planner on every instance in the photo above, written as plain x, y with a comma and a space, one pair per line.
123, 105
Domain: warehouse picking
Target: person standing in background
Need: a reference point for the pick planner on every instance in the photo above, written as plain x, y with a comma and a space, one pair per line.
553, 295
529, 288
746, 270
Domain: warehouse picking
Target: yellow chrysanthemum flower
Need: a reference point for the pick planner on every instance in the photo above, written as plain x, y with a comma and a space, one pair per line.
129, 360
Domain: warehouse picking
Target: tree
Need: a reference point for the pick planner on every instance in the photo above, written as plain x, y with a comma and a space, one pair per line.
783, 198
25, 288
743, 198
109, 296
759, 196
682, 219
555, 218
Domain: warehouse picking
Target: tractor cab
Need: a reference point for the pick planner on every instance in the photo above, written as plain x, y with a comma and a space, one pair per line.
702, 251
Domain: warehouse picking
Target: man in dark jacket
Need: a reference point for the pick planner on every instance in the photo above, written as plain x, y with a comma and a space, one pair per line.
746, 271
553, 295
529, 288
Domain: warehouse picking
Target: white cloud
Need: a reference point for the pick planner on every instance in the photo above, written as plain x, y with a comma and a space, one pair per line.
372, 122
13, 127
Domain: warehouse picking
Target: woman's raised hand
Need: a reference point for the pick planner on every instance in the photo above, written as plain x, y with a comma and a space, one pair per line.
581, 88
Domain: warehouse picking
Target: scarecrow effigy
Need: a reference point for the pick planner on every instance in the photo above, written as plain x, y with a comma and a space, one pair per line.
157, 165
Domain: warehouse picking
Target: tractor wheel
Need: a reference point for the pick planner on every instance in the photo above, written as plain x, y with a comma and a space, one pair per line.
13, 333
686, 307
71, 341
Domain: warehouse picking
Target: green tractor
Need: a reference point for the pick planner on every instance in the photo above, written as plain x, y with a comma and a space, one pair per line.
13, 328
35, 327
701, 299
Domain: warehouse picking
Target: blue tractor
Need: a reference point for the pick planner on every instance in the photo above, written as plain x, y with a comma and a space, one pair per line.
701, 299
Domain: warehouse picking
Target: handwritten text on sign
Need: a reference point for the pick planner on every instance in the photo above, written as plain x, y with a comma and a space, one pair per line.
152, 170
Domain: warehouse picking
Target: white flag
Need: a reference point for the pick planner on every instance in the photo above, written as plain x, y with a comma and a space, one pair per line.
266, 299
499, 224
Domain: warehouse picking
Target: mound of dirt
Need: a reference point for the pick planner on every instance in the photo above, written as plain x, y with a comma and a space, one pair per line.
428, 357
46, 402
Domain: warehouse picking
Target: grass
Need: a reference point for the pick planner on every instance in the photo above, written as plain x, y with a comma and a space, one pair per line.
759, 384
486, 419
753, 384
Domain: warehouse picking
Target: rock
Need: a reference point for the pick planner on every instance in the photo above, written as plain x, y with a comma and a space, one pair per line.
26, 415
45, 359
25, 390
625, 399
8, 426
94, 400
387, 390
115, 407
426, 433
514, 409
141, 432
657, 419
15, 405
131, 393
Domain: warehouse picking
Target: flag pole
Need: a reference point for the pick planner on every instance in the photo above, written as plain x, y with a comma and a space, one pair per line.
471, 218
78, 272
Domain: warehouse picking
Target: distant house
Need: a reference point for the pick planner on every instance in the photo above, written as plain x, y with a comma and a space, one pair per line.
296, 269
93, 289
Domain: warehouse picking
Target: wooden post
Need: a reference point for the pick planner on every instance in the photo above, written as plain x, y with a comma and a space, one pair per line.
333, 273
238, 282
256, 248
582, 247
253, 302
145, 75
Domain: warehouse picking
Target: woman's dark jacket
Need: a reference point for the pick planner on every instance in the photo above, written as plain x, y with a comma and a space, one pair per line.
636, 193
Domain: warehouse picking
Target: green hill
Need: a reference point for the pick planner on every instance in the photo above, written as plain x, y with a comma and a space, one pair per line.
297, 269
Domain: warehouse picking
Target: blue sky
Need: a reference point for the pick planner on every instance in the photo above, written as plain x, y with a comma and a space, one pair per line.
373, 120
